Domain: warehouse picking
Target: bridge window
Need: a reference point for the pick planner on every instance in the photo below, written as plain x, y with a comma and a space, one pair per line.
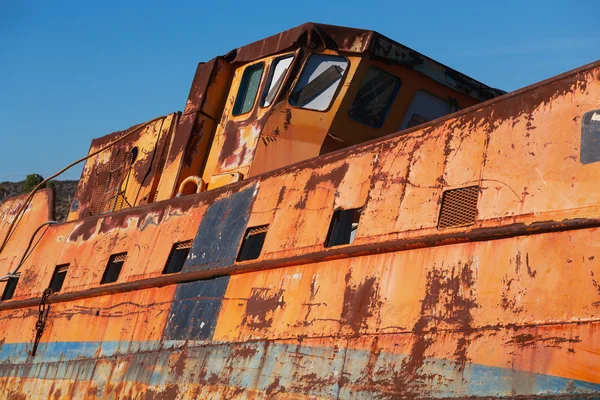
342, 229
11, 286
319, 82
113, 269
279, 69
249, 84
374, 98
58, 277
177, 258
253, 243
427, 107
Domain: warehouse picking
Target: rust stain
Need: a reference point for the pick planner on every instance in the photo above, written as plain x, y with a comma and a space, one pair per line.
274, 387
529, 340
360, 302
449, 302
335, 177
261, 306
244, 352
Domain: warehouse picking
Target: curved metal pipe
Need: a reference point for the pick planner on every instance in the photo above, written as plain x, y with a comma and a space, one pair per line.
14, 273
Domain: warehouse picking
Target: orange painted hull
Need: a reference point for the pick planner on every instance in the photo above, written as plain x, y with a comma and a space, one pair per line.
507, 306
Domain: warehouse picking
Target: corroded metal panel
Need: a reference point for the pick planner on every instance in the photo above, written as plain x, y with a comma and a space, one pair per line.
194, 310
218, 238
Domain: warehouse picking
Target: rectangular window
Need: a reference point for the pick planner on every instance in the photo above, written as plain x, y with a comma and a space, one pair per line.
113, 268
342, 229
253, 243
279, 69
177, 258
374, 98
426, 107
11, 286
318, 82
58, 277
249, 84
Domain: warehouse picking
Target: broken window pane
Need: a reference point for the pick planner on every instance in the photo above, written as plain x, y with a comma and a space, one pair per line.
319, 81
374, 98
279, 69
244, 100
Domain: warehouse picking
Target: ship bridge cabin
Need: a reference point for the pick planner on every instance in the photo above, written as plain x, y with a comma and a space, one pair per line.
302, 93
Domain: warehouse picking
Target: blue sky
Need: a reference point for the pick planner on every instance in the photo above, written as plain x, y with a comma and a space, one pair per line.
72, 71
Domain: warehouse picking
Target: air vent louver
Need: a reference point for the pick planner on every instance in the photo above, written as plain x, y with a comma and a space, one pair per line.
459, 207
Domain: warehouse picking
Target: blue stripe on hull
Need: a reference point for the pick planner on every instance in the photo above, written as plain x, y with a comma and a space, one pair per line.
273, 367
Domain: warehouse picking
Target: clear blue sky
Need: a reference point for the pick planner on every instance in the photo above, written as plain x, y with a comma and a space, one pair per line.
72, 71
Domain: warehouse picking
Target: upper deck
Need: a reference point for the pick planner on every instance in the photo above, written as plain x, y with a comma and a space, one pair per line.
302, 93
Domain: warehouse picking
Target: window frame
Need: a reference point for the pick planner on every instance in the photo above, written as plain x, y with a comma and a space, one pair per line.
174, 250
334, 224
256, 97
111, 263
389, 106
262, 230
337, 91
270, 78
9, 281
54, 277
412, 99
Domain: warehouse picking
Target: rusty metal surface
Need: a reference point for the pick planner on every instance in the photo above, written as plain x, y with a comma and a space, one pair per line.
508, 306
359, 41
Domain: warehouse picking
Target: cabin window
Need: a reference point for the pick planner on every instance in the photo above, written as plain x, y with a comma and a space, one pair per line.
58, 277
319, 81
343, 226
177, 257
459, 207
427, 107
11, 286
374, 98
113, 268
279, 69
249, 84
253, 243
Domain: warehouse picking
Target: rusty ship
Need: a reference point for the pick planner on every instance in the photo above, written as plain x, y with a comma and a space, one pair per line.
332, 216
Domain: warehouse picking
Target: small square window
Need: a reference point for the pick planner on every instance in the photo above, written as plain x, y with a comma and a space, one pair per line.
58, 277
177, 258
113, 268
253, 243
9, 289
374, 98
248, 89
342, 229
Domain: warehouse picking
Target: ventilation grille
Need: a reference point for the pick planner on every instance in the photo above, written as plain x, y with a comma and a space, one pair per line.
62, 268
115, 258
183, 245
107, 195
257, 230
459, 207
